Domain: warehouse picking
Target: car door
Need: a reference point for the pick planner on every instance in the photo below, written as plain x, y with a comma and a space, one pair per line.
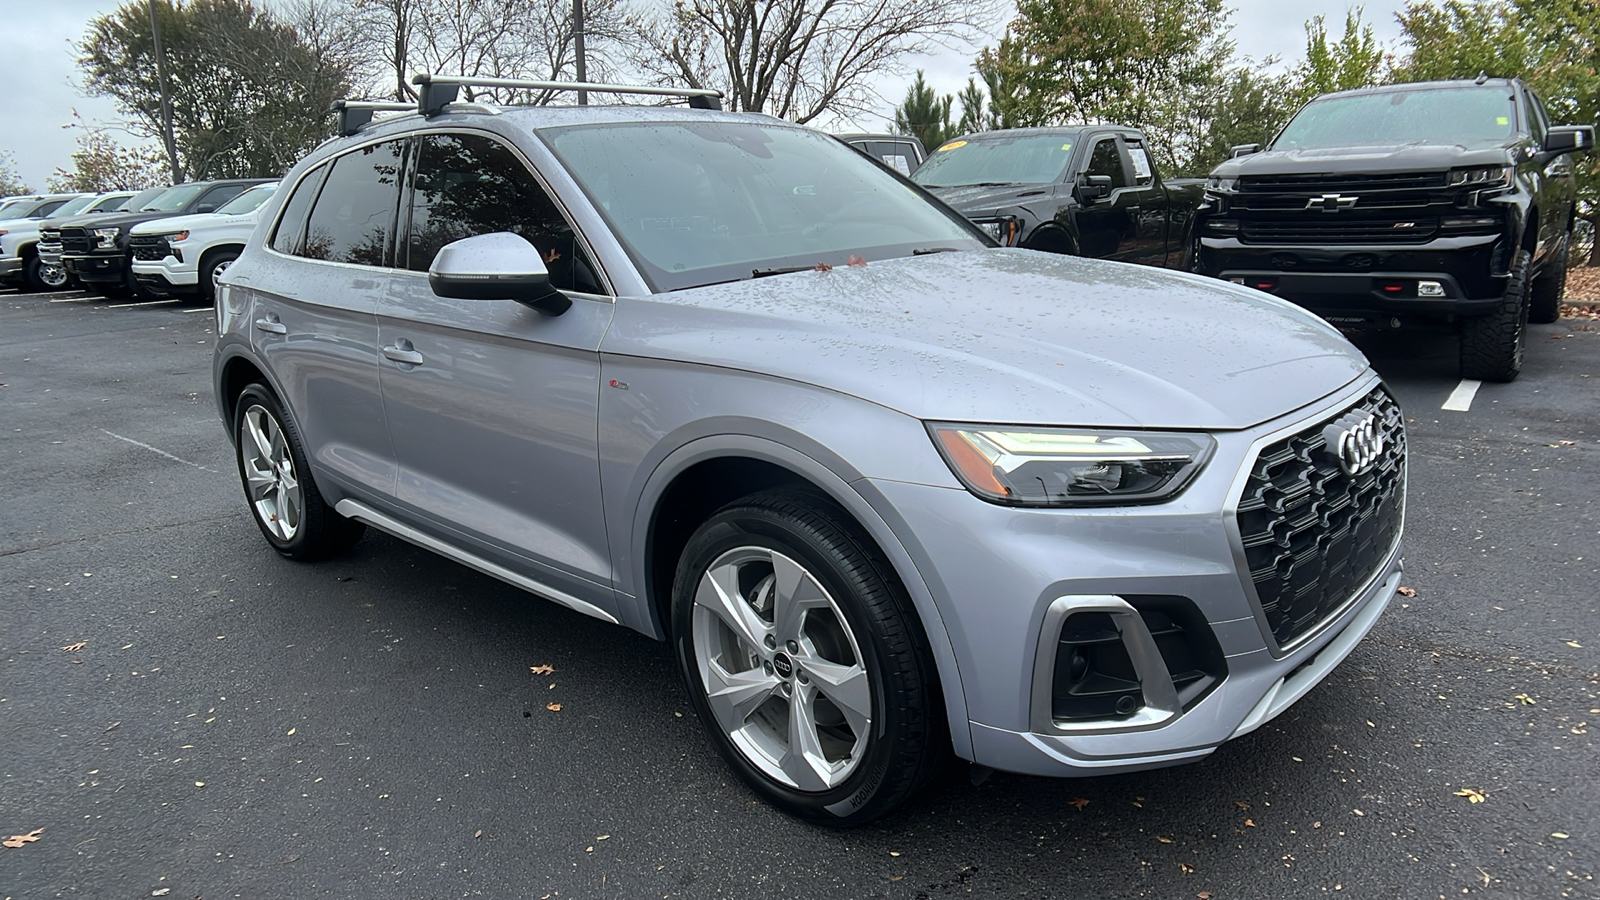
1152, 212
314, 298
1129, 225
491, 404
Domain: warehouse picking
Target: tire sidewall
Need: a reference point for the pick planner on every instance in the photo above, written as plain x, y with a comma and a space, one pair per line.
253, 396
208, 285
853, 800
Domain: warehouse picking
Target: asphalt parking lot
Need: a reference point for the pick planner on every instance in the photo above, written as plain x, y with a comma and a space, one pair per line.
184, 714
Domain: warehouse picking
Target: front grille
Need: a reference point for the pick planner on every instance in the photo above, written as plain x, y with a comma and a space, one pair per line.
1313, 535
76, 240
1340, 184
149, 247
1339, 229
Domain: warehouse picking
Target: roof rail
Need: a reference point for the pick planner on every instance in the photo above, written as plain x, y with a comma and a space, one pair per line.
434, 91
355, 114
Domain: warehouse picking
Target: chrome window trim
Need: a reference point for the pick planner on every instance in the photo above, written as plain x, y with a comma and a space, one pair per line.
1230, 517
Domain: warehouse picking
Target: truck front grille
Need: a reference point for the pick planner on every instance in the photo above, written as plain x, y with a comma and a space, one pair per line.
1339, 229
149, 247
76, 240
1313, 534
1319, 183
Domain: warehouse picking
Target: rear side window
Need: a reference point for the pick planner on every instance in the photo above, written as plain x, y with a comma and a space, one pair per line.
291, 229
1105, 160
354, 216
217, 196
468, 184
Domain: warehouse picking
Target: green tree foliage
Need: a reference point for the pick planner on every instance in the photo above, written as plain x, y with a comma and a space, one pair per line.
972, 109
1249, 109
1354, 61
10, 182
249, 97
101, 164
925, 114
1154, 64
1553, 44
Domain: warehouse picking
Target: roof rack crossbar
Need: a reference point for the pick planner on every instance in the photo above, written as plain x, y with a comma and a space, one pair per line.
437, 90
356, 114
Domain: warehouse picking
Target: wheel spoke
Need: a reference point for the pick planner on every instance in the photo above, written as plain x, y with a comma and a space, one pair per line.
803, 762
719, 593
288, 510
734, 697
260, 481
256, 423
848, 688
794, 592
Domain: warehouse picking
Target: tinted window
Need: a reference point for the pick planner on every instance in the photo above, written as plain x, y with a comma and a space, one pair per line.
466, 185
1143, 172
174, 198
1105, 160
109, 204
1535, 117
248, 201
997, 158
219, 195
48, 207
292, 225
353, 219
72, 207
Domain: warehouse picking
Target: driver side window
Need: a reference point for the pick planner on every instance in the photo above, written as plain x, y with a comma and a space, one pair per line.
1105, 160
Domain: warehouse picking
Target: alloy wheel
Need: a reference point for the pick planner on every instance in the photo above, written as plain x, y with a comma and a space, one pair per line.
270, 476
782, 671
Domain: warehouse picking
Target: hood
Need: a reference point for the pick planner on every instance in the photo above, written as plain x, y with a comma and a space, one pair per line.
76, 220
1384, 160
123, 219
969, 199
197, 220
1011, 337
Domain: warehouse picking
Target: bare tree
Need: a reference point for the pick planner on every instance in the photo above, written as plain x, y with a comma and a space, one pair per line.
798, 59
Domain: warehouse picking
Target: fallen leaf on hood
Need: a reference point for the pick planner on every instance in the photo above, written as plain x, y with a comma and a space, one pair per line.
74, 648
824, 267
17, 840
861, 263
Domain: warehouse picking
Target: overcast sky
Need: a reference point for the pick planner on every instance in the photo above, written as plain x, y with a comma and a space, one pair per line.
37, 52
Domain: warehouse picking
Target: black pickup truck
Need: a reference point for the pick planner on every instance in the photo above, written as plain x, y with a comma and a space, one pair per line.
95, 251
1406, 204
1089, 190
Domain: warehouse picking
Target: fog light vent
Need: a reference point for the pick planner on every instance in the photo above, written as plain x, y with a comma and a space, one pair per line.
1094, 677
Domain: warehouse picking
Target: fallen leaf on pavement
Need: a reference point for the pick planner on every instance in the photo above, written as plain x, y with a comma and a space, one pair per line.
1079, 802
1204, 895
1408, 592
1472, 795
553, 707
1186, 868
542, 670
1249, 823
1164, 840
1559, 835
1575, 645
74, 648
17, 840
477, 834
1526, 700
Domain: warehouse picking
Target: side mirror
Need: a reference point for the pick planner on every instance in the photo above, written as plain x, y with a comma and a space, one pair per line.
1243, 150
1094, 188
1569, 139
205, 208
499, 266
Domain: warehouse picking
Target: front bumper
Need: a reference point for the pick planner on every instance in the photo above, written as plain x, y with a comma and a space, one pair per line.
1005, 579
96, 268
167, 275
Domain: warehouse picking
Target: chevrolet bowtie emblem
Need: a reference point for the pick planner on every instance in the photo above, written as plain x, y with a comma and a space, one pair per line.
1331, 203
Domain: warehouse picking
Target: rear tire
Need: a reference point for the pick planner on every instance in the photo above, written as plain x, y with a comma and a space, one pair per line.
285, 501
1492, 345
824, 697
1550, 287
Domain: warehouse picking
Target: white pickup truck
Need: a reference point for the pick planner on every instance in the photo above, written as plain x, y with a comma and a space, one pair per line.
184, 255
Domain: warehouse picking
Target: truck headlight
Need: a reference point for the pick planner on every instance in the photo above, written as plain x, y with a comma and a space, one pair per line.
1029, 466
1216, 185
106, 238
1481, 177
176, 236
1003, 229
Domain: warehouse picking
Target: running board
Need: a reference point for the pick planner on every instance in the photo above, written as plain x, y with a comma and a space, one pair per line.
353, 509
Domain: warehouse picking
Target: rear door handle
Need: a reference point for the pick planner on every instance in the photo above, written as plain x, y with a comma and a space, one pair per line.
270, 323
403, 353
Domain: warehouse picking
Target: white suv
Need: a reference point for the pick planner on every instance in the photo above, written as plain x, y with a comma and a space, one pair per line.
183, 255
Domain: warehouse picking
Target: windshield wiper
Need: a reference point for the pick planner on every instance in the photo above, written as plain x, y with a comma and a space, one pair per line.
782, 270
924, 251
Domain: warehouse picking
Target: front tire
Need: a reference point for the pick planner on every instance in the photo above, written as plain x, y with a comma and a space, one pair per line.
211, 268
1492, 345
805, 660
1550, 287
285, 502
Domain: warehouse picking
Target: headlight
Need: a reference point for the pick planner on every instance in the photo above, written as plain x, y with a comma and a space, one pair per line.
106, 238
1003, 229
1071, 466
1481, 177
1217, 185
176, 237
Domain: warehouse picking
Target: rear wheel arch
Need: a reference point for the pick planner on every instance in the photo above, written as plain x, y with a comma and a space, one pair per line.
238, 373
659, 538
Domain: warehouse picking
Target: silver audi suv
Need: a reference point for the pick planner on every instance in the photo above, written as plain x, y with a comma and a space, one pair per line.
891, 492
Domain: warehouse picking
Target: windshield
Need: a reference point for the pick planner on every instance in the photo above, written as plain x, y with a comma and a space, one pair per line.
109, 204
1017, 159
706, 202
1471, 117
140, 201
173, 198
72, 207
248, 201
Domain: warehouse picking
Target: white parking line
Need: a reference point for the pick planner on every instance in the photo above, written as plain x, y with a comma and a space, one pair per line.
200, 309
82, 299
1460, 399
142, 303
158, 450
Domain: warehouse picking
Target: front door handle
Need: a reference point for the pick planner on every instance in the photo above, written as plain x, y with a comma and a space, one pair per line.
270, 323
403, 353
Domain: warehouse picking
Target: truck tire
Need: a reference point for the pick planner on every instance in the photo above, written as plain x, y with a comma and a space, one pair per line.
1550, 287
1491, 346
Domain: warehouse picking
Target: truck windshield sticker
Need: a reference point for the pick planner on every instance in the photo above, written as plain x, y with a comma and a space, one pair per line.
952, 145
1066, 146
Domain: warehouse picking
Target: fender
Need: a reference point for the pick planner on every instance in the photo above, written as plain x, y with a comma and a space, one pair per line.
841, 490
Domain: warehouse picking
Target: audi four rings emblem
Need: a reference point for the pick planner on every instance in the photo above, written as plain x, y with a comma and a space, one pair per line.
1355, 440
